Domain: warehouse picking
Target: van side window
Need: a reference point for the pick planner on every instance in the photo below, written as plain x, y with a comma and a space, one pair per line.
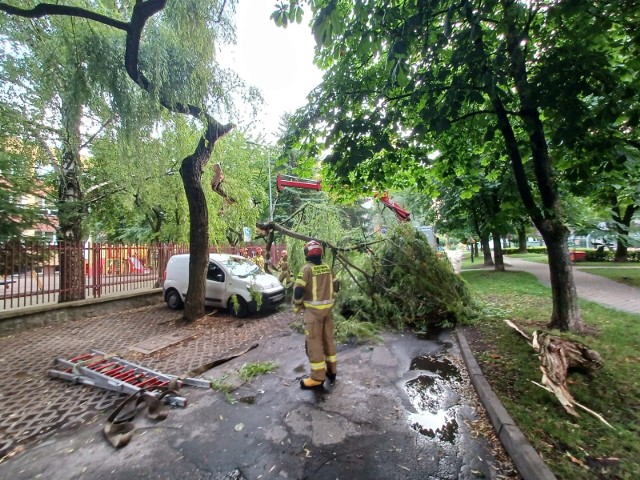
215, 273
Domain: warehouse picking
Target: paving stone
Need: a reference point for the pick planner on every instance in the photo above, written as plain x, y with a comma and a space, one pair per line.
32, 404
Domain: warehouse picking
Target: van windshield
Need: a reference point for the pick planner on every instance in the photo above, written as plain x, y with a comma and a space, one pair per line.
241, 267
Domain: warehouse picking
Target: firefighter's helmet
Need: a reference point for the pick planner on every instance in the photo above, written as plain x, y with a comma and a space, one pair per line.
312, 248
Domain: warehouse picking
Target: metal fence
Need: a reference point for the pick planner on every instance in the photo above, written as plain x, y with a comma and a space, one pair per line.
33, 274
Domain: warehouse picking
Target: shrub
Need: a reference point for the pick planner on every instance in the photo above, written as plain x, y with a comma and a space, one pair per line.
513, 251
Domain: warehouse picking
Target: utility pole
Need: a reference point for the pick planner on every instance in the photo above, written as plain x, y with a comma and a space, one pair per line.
269, 174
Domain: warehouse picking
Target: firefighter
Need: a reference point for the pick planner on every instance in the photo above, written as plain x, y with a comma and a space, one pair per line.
283, 268
314, 291
259, 259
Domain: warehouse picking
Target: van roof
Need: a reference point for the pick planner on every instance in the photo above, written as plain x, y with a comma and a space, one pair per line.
220, 257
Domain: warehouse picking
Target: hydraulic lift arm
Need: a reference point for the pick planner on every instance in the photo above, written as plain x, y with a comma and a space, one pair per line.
401, 214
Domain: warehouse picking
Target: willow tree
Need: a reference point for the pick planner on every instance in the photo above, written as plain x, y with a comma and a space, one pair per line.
45, 63
175, 65
401, 74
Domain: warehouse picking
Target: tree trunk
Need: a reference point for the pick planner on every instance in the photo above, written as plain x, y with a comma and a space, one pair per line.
70, 206
486, 250
566, 314
622, 224
522, 239
497, 252
191, 172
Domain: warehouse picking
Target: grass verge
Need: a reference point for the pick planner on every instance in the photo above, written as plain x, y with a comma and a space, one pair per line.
574, 448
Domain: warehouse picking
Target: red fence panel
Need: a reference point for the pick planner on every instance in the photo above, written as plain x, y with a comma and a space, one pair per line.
36, 273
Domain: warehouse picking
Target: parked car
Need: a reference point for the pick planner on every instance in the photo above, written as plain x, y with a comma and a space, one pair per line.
233, 282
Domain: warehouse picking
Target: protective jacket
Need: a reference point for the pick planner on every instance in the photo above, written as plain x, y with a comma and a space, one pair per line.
317, 281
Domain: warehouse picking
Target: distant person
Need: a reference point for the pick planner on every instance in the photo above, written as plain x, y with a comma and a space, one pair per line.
285, 271
314, 291
259, 259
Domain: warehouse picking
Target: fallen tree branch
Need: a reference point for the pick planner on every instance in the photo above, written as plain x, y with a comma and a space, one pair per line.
557, 355
595, 414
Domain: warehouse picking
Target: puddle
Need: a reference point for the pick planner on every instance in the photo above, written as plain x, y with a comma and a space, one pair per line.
440, 366
430, 395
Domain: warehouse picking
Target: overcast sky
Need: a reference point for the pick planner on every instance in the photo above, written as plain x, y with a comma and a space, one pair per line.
278, 61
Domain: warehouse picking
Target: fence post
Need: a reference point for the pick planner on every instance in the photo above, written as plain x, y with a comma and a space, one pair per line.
96, 270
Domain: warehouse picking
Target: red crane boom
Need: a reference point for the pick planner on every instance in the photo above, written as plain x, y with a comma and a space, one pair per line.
283, 181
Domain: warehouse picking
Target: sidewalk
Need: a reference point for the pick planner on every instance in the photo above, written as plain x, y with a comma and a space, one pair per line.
589, 287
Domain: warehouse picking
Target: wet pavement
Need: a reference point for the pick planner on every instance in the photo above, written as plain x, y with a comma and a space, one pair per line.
588, 286
403, 409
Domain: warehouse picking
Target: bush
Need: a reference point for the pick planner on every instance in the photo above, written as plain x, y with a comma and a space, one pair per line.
598, 255
513, 251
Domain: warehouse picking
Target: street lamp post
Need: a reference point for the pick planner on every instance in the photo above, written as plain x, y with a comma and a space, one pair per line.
269, 174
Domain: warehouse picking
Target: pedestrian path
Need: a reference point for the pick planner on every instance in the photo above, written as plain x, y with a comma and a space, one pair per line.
589, 287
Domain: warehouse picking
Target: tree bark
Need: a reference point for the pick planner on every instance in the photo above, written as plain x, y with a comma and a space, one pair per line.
566, 313
522, 239
191, 173
486, 250
198, 238
622, 224
497, 252
70, 205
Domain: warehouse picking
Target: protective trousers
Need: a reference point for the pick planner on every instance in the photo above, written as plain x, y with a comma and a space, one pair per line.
321, 347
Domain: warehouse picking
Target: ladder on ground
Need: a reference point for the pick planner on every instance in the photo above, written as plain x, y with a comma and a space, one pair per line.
109, 372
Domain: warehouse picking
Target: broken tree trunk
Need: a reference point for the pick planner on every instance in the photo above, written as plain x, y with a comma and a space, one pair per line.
557, 355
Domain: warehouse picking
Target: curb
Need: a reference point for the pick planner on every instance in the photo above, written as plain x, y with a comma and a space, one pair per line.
526, 460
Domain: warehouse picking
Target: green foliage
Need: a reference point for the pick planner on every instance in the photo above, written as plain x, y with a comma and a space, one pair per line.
350, 330
249, 371
513, 251
220, 385
256, 296
411, 286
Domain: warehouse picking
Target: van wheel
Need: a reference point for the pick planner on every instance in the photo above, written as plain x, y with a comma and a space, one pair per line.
173, 299
239, 309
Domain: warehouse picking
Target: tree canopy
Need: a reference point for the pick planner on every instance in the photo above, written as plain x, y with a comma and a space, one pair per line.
404, 78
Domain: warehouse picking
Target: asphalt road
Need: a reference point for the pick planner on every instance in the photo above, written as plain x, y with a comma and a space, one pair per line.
403, 409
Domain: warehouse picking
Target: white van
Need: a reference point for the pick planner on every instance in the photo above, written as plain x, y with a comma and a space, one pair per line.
233, 282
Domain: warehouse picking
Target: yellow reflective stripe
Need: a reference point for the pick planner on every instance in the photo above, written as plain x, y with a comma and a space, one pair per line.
318, 307
317, 366
330, 358
301, 282
314, 289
